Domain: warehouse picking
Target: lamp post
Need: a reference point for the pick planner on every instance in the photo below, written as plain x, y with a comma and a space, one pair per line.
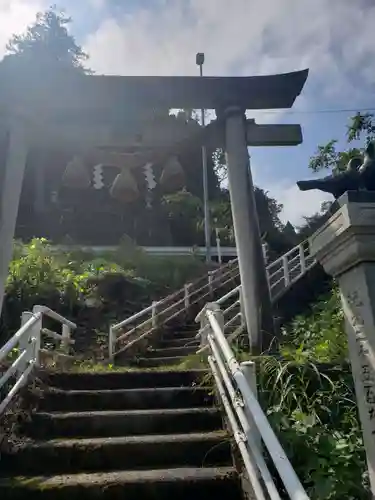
207, 230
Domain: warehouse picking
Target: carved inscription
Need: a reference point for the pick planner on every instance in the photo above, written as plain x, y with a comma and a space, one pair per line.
367, 377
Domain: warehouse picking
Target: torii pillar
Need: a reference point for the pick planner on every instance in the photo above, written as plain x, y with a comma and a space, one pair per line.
239, 134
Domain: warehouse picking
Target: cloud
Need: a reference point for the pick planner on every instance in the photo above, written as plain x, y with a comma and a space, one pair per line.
97, 4
333, 38
15, 15
240, 37
296, 203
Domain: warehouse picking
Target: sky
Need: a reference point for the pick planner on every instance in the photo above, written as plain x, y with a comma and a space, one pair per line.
333, 38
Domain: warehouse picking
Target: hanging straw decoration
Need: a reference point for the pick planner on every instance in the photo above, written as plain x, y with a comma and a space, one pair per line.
125, 187
172, 177
76, 175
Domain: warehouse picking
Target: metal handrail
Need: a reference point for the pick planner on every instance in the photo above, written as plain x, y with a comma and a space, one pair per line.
236, 387
165, 309
185, 303
235, 295
28, 340
166, 299
46, 311
280, 278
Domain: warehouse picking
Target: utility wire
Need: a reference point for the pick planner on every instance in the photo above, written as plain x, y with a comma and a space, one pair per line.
316, 111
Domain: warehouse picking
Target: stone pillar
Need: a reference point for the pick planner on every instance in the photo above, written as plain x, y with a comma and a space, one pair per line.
345, 246
256, 297
10, 195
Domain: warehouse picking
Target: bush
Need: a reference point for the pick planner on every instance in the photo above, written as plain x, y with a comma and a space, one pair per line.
315, 418
126, 280
308, 395
318, 336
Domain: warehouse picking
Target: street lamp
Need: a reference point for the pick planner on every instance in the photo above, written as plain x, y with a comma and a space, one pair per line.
199, 59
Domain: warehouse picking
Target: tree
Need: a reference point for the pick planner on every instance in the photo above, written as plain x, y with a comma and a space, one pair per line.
185, 213
47, 42
328, 157
360, 126
270, 225
312, 223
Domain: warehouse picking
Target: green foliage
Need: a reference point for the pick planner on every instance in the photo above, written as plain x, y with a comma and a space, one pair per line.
312, 406
318, 336
41, 274
183, 205
38, 275
315, 417
268, 214
327, 157
361, 126
220, 164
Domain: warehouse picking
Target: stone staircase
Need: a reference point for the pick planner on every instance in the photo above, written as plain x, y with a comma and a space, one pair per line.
134, 435
147, 432
170, 349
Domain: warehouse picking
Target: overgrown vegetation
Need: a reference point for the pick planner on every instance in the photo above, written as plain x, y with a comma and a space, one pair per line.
319, 335
309, 398
313, 411
117, 284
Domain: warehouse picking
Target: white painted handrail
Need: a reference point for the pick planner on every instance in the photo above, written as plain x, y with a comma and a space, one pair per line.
233, 316
281, 274
46, 311
144, 322
27, 341
289, 268
236, 386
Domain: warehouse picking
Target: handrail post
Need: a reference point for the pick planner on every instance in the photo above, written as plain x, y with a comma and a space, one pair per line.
24, 344
111, 342
37, 333
242, 310
203, 329
302, 258
218, 313
187, 296
286, 270
265, 248
218, 246
248, 368
154, 317
205, 325
210, 279
65, 343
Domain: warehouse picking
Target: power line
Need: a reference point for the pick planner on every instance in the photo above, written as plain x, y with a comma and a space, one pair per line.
317, 111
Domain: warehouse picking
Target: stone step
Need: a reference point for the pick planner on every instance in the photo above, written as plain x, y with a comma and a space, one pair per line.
156, 362
125, 380
123, 423
179, 342
125, 399
170, 352
179, 334
184, 483
121, 453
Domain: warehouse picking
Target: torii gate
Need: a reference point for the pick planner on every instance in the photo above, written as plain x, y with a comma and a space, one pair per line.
80, 110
